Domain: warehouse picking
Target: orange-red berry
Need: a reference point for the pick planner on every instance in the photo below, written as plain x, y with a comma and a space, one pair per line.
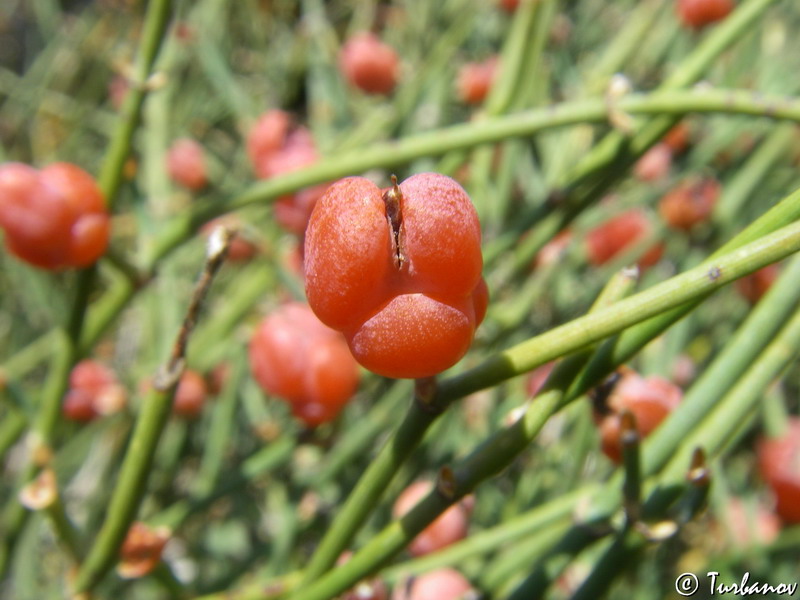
690, 203
54, 218
654, 164
94, 390
442, 584
398, 272
697, 14
297, 358
756, 284
368, 64
450, 527
620, 233
186, 164
141, 551
190, 395
475, 80
779, 463
650, 399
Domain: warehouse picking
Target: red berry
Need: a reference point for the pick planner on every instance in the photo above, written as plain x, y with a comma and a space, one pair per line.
696, 14
475, 80
369, 64
190, 396
677, 139
398, 272
650, 399
553, 250
267, 136
748, 527
54, 218
451, 526
94, 391
690, 203
186, 164
779, 463
295, 357
756, 284
619, 233
442, 584
654, 164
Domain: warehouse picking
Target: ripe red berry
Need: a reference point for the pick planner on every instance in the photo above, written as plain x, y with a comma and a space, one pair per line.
186, 164
755, 285
442, 584
297, 358
690, 203
398, 272
54, 218
94, 390
650, 399
475, 80
654, 164
190, 396
779, 463
619, 233
451, 526
677, 139
696, 14
267, 136
368, 64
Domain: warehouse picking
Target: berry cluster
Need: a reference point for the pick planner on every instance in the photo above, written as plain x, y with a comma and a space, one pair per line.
94, 391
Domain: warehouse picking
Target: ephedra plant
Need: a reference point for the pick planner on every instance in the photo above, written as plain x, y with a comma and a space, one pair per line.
291, 308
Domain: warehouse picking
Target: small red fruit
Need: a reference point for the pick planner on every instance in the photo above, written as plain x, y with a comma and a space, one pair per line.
654, 164
750, 526
369, 64
475, 80
442, 584
690, 203
450, 527
295, 357
696, 14
54, 218
650, 399
677, 139
190, 396
398, 272
186, 164
619, 233
267, 136
779, 463
94, 390
756, 284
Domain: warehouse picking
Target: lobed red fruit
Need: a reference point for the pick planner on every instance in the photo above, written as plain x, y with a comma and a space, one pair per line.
690, 203
398, 272
368, 64
450, 527
186, 164
654, 164
442, 584
779, 463
475, 80
697, 14
756, 284
294, 356
54, 218
620, 233
190, 395
650, 399
94, 390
